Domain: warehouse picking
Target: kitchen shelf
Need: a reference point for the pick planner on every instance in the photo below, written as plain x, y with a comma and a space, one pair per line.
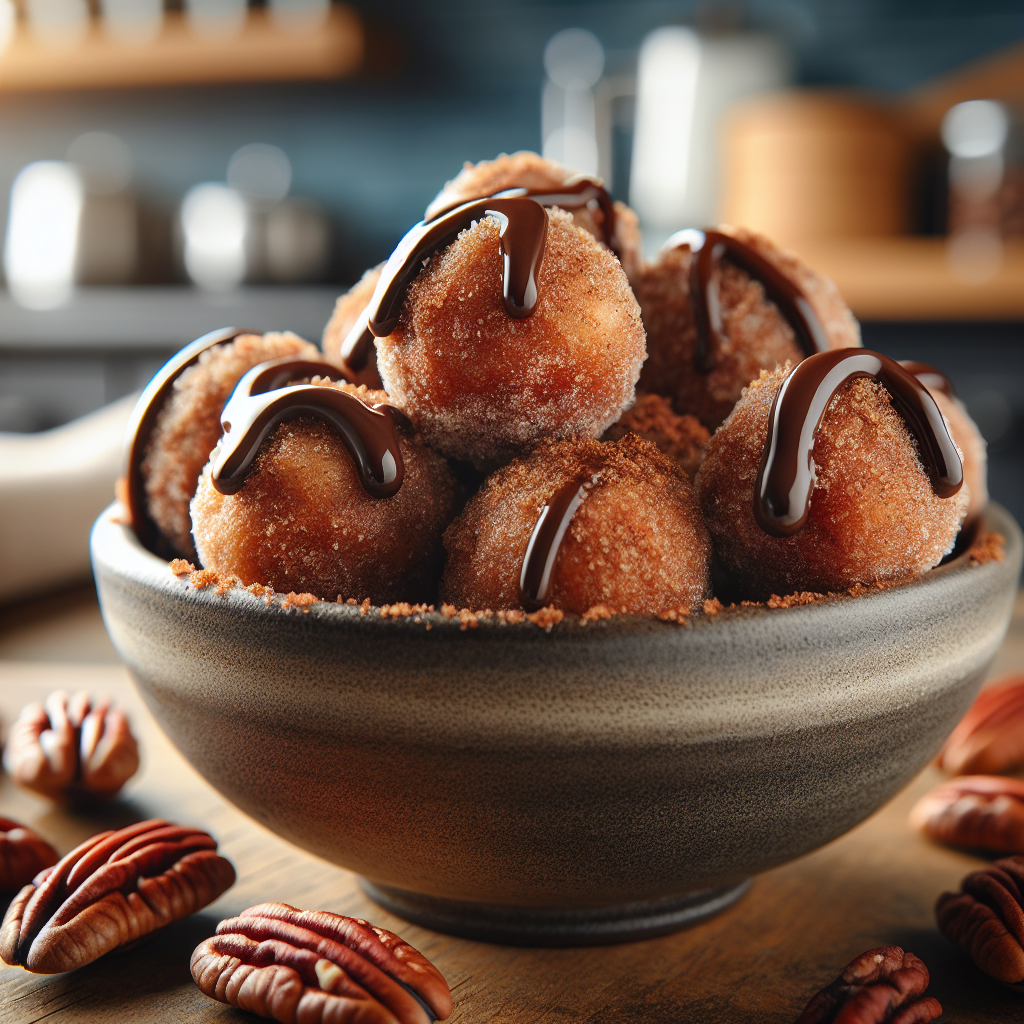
179, 56
910, 278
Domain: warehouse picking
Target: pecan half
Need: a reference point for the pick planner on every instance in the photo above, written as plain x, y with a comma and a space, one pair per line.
113, 889
986, 919
990, 738
72, 748
974, 812
23, 854
315, 966
881, 986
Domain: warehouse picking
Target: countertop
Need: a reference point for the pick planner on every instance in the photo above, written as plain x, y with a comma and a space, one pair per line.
757, 963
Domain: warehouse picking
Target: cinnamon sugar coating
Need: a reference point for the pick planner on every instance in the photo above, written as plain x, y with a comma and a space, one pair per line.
531, 171
757, 336
483, 386
972, 447
188, 426
873, 514
347, 310
636, 545
303, 522
680, 437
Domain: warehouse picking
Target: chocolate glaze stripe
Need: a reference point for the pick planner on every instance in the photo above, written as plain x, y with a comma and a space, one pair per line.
288, 370
546, 541
785, 479
140, 429
708, 248
571, 195
932, 379
522, 234
259, 403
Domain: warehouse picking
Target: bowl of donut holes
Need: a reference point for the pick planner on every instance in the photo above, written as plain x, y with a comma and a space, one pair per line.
544, 660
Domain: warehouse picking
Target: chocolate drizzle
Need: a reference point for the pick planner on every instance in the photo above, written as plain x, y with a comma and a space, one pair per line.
546, 541
572, 195
708, 248
140, 429
260, 402
522, 234
932, 379
785, 479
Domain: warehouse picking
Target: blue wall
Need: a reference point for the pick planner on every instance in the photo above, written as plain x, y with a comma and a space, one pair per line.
374, 150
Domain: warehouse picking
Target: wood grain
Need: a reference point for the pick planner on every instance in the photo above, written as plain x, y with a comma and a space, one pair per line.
758, 963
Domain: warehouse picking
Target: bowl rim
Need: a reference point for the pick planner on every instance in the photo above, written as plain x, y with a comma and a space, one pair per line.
116, 549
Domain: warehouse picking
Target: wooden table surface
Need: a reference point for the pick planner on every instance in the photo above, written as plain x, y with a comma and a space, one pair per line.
757, 963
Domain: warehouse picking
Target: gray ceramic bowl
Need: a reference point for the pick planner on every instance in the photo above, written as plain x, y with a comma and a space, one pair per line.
592, 783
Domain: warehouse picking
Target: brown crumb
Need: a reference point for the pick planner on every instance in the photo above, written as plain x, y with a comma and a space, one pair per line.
713, 606
674, 614
595, 612
403, 610
510, 616
364, 608
203, 578
546, 617
988, 547
181, 567
680, 437
793, 600
303, 601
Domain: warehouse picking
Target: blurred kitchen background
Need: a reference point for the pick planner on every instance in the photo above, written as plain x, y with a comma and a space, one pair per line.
171, 167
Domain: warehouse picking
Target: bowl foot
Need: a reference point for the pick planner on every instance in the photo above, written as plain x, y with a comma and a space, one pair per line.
540, 926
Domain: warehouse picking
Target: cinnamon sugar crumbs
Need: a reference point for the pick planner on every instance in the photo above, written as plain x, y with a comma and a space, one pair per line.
989, 547
546, 617
404, 610
674, 614
203, 578
797, 600
510, 616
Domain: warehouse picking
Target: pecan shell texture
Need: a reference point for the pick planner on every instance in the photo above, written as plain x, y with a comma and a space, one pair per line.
974, 812
23, 854
990, 738
72, 748
986, 919
881, 986
113, 889
318, 968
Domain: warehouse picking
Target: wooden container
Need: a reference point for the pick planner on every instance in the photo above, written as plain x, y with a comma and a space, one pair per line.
805, 165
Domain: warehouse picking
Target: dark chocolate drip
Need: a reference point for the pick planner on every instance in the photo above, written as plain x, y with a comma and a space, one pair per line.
546, 541
140, 429
573, 195
355, 353
286, 370
785, 479
708, 248
259, 403
932, 379
522, 234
